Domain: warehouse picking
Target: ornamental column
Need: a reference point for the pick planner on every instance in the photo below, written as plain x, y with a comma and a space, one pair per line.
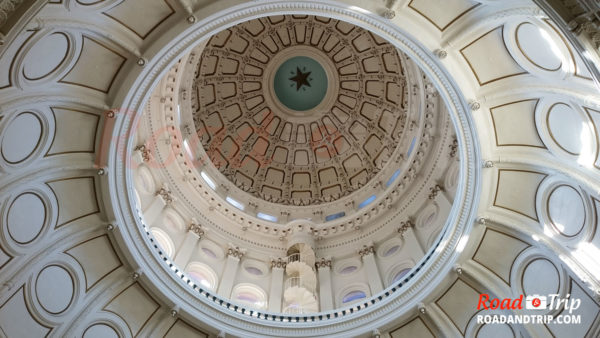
325, 288
234, 254
411, 240
367, 253
276, 290
186, 250
163, 197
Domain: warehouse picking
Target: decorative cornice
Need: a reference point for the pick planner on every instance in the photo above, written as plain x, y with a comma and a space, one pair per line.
388, 14
404, 226
235, 251
453, 148
323, 263
366, 250
145, 152
278, 263
434, 191
196, 228
166, 194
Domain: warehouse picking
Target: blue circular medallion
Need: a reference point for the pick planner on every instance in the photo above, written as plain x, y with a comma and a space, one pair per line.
300, 83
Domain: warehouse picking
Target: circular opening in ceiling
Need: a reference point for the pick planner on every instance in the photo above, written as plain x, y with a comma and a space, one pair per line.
224, 99
300, 83
293, 135
299, 121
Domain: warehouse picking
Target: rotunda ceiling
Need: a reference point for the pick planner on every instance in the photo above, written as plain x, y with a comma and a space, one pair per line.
296, 137
367, 158
299, 110
99, 239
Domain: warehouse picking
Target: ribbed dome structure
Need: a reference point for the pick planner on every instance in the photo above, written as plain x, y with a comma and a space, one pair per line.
175, 168
296, 157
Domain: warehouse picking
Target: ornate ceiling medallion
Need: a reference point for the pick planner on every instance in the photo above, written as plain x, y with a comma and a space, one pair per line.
300, 83
299, 110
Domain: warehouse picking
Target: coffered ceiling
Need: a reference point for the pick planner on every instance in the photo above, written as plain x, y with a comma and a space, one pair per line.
67, 269
288, 156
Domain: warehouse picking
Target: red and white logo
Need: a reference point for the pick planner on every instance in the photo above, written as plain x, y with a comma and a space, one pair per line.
536, 302
532, 302
486, 303
548, 303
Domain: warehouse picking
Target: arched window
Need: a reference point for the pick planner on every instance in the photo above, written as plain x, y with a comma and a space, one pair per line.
254, 271
255, 268
398, 272
250, 295
203, 275
390, 248
210, 250
393, 177
164, 241
335, 216
400, 275
391, 251
367, 201
352, 296
349, 269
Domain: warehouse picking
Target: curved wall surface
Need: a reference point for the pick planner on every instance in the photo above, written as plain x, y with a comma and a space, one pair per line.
74, 258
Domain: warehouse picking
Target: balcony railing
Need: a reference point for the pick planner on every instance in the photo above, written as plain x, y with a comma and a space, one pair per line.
294, 258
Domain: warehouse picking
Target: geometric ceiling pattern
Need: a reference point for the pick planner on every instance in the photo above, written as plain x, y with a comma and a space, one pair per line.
63, 273
292, 157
